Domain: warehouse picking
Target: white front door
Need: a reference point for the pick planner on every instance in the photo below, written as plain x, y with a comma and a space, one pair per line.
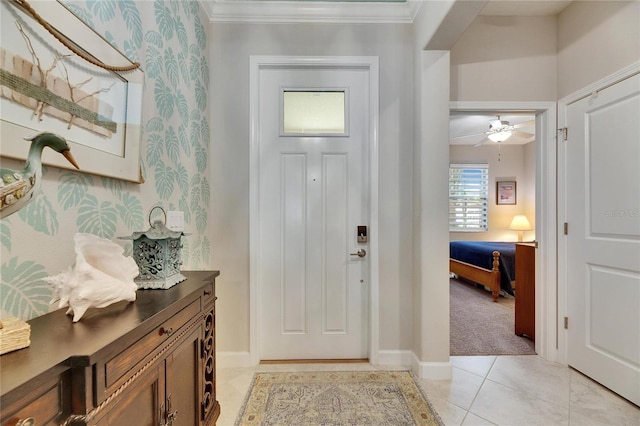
603, 241
313, 192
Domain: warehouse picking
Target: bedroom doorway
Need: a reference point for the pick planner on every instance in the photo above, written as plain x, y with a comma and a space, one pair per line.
517, 163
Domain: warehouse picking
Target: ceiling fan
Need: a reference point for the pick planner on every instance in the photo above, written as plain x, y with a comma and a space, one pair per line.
501, 130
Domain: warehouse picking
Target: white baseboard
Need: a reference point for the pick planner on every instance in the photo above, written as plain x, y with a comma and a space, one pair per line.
431, 370
233, 359
424, 370
395, 358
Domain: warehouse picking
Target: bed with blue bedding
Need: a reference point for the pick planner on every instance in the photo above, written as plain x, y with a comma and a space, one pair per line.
491, 264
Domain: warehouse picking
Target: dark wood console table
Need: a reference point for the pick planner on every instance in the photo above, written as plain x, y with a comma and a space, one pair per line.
149, 362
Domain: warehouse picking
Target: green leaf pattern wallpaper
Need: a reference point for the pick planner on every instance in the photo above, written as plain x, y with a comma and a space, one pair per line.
169, 39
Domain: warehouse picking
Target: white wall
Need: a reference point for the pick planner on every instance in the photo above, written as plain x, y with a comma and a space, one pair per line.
596, 39
231, 46
496, 59
516, 163
431, 264
528, 189
437, 26
505, 58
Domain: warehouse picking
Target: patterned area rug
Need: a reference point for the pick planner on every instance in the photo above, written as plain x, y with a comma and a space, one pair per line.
336, 398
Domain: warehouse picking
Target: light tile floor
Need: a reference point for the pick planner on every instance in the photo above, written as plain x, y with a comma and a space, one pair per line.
484, 390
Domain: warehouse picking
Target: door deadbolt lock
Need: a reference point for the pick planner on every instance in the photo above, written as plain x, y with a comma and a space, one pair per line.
359, 253
362, 234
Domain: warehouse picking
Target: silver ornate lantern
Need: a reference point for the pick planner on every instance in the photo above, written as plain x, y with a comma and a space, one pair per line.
157, 253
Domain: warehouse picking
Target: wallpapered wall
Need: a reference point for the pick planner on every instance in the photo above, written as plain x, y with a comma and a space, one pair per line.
170, 41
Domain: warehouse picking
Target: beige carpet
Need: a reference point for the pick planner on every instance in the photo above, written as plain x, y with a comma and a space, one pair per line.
336, 398
481, 327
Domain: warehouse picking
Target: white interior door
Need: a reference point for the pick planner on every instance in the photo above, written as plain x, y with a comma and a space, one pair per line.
603, 242
313, 191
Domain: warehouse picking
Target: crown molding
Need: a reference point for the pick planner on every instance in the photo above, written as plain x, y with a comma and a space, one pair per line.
310, 11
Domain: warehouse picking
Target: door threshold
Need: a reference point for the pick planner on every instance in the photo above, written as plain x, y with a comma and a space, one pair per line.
316, 361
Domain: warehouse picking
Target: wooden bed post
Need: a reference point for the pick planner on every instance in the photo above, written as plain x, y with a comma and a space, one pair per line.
487, 277
495, 289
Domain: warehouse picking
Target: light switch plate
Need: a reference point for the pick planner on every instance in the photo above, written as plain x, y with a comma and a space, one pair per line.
175, 220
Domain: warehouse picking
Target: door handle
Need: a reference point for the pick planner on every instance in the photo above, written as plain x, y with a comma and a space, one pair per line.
360, 253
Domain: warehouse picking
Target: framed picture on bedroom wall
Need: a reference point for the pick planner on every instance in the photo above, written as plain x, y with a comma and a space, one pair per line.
506, 192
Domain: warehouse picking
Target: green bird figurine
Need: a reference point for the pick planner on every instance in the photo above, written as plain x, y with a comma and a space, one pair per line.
17, 187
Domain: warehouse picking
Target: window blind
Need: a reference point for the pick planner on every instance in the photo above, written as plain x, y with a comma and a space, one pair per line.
468, 197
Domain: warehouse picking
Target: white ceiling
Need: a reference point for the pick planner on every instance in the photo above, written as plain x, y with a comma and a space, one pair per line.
469, 128
524, 7
357, 11
349, 11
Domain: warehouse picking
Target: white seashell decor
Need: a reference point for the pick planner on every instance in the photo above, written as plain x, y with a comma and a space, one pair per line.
101, 275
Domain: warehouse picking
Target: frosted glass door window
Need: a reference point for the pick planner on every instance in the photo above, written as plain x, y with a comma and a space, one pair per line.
309, 113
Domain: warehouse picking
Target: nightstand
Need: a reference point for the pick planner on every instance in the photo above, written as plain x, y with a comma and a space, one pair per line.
525, 321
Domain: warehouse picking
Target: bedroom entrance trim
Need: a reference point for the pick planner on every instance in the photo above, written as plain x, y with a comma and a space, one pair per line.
258, 65
546, 297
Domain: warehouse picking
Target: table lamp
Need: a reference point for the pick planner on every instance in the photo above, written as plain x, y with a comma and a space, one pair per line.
520, 223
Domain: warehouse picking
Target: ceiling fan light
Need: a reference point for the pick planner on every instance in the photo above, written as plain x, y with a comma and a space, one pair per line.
494, 124
500, 136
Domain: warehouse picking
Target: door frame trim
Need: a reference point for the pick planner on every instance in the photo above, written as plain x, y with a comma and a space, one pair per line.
257, 63
546, 322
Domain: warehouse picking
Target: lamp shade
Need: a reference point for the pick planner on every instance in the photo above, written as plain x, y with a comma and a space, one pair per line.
520, 223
